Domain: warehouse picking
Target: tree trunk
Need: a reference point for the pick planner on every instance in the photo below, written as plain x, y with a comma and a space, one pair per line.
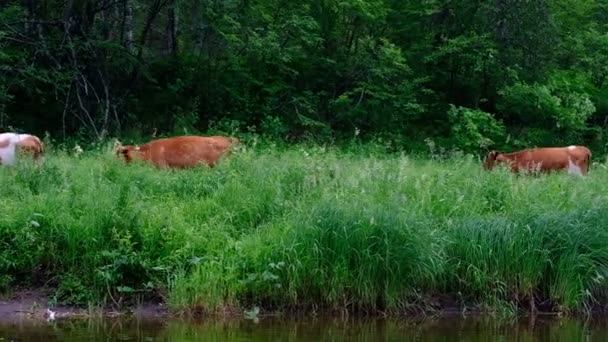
172, 22
127, 27
30, 9
155, 8
199, 27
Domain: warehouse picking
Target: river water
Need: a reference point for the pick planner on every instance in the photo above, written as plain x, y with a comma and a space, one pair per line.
321, 329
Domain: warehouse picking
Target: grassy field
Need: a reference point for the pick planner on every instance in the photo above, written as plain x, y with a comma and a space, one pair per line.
304, 228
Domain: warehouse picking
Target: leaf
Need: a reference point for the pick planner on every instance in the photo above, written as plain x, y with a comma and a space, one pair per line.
125, 289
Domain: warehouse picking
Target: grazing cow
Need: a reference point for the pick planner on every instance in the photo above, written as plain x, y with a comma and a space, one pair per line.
179, 152
13, 144
574, 159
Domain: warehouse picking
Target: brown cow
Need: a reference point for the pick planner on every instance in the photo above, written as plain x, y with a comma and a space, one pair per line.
574, 159
13, 144
180, 152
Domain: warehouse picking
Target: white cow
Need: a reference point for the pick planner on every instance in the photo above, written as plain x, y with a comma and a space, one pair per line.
12, 143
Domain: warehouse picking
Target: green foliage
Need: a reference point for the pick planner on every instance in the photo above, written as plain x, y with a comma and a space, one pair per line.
474, 129
466, 67
304, 228
387, 98
287, 225
307, 70
561, 107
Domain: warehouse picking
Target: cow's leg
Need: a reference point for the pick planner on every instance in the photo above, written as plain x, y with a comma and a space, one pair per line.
574, 169
584, 165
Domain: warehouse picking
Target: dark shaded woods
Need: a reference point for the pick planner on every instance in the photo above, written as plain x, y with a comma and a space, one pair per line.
470, 75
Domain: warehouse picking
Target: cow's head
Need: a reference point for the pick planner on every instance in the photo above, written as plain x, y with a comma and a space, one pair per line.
127, 152
494, 158
491, 160
30, 145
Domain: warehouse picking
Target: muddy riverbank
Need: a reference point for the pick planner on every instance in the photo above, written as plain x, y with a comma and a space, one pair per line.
37, 305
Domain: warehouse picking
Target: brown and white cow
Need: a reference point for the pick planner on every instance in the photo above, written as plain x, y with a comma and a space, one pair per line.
13, 145
180, 152
574, 159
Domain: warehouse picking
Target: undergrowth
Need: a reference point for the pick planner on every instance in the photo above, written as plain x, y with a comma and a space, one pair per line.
304, 228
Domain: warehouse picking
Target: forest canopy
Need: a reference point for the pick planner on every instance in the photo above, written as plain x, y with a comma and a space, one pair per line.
471, 75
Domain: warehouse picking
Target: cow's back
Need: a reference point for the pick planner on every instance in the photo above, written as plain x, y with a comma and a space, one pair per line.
188, 151
554, 158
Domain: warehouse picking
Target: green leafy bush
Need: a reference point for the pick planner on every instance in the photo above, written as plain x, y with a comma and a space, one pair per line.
559, 104
474, 130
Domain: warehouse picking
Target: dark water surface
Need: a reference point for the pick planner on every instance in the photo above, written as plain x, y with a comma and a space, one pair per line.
329, 329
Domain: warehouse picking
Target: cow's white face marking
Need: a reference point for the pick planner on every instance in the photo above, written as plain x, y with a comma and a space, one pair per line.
573, 168
571, 147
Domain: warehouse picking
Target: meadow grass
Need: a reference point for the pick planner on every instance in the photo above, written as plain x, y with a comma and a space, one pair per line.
304, 228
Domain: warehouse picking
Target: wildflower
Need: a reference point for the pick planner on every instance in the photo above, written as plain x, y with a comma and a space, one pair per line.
78, 150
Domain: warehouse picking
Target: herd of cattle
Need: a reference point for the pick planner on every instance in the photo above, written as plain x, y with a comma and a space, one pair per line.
177, 152
190, 151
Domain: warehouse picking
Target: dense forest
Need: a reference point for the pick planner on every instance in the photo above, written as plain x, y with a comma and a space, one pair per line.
469, 74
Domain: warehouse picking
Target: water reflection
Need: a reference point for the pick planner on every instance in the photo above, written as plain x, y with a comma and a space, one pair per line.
323, 329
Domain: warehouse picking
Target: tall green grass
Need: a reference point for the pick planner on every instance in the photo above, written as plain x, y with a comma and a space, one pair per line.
304, 228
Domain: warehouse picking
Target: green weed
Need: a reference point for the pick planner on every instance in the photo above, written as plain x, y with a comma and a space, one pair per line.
306, 228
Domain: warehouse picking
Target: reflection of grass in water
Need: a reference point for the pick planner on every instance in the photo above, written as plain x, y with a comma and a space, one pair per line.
305, 228
319, 329
322, 329
327, 329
